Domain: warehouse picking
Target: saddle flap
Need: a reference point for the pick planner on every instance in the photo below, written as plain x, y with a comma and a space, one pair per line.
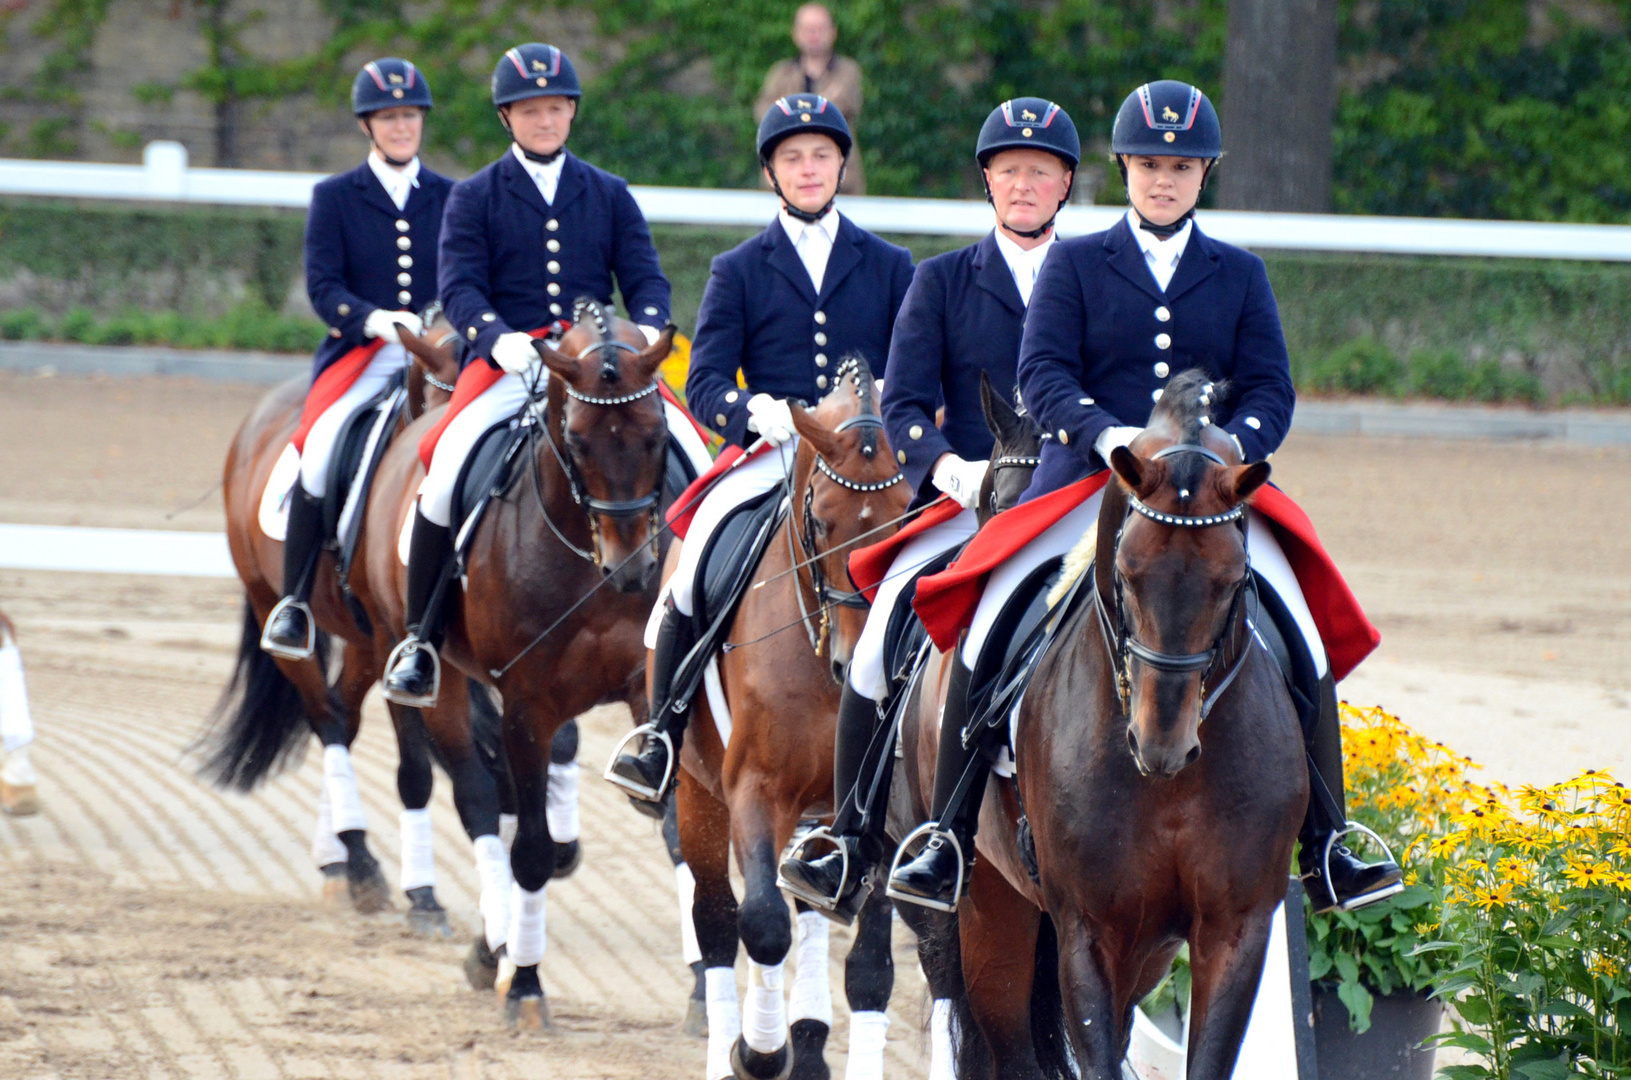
486, 470
905, 633
351, 448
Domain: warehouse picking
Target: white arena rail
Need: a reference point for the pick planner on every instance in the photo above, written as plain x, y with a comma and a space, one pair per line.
165, 176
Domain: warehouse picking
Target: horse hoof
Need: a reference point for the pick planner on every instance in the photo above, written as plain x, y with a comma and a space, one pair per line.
369, 894
19, 800
526, 1013
335, 890
696, 1018
748, 1064
480, 966
429, 924
808, 1038
568, 857
504, 974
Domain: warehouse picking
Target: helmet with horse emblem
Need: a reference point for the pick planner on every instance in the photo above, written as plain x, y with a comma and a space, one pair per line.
1029, 123
1167, 119
534, 70
796, 114
388, 83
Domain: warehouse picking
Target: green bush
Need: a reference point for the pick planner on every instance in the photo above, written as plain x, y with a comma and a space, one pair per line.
1362, 366
22, 324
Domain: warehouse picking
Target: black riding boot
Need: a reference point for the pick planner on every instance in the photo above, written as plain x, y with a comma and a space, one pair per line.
415, 667
648, 774
290, 631
833, 882
1352, 883
932, 879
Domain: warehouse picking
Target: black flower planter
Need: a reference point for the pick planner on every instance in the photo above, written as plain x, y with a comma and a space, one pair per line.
1390, 1050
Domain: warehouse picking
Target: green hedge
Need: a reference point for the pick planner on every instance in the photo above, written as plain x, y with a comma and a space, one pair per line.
1474, 329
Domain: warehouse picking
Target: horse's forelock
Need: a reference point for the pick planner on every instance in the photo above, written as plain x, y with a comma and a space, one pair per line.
1185, 409
856, 373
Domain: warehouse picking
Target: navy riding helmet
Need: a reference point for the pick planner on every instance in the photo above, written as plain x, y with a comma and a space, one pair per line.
534, 70
387, 83
1029, 123
796, 114
1167, 119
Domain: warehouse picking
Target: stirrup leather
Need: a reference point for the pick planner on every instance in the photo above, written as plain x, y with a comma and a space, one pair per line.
1364, 899
405, 648
305, 652
826, 903
932, 830
633, 787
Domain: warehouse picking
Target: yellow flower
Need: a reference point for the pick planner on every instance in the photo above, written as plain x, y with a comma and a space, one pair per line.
1513, 870
1488, 898
1588, 874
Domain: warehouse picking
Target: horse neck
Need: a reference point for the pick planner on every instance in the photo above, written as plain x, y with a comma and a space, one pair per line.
554, 486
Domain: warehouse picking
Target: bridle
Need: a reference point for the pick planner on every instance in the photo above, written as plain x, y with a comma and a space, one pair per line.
1125, 649
593, 507
828, 597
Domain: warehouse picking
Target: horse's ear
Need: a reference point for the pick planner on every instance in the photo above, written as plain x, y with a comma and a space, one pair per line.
653, 355
1240, 482
565, 366
1141, 477
1000, 418
825, 442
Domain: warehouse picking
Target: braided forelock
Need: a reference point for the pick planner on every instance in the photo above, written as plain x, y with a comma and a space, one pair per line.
589, 312
854, 368
1186, 405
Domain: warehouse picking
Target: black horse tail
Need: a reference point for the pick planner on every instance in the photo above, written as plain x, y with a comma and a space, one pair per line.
1048, 1035
259, 727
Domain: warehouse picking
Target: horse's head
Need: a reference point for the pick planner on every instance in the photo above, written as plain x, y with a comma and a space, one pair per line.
435, 366
1014, 457
1172, 587
849, 484
607, 419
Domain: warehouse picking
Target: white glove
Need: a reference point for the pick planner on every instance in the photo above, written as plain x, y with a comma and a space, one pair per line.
382, 324
514, 352
651, 333
772, 418
1110, 438
960, 479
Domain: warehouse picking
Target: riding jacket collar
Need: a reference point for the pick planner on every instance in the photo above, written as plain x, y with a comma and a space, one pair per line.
845, 256
1162, 256
1024, 265
812, 240
398, 183
569, 185
1127, 258
546, 176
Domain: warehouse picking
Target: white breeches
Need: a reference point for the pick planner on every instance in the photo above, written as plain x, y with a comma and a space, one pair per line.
866, 673
1261, 546
320, 440
496, 404
16, 723
744, 482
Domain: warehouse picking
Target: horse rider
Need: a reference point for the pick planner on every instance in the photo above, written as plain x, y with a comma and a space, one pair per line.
522, 239
783, 308
1114, 315
370, 264
962, 318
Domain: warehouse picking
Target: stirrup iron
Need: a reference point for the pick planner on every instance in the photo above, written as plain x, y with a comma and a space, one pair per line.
404, 648
931, 830
825, 903
1364, 899
638, 790
284, 652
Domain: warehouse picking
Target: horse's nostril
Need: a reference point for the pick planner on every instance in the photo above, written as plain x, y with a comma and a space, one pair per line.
1194, 752
1132, 741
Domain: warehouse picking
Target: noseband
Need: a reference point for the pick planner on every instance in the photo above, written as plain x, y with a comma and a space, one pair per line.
1124, 648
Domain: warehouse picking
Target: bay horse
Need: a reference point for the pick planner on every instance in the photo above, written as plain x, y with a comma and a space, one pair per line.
559, 578
261, 723
780, 683
1148, 828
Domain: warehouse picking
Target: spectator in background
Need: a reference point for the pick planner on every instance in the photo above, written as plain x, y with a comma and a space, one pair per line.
819, 70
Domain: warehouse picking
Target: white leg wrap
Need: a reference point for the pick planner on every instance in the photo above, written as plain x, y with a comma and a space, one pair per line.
764, 1014
526, 926
18, 770
685, 886
561, 802
418, 850
341, 781
811, 996
724, 1020
16, 724
507, 825
868, 1033
493, 871
942, 1049
326, 848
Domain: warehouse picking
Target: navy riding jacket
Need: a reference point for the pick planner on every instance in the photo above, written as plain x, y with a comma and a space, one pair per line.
962, 316
362, 253
512, 262
761, 315
1102, 339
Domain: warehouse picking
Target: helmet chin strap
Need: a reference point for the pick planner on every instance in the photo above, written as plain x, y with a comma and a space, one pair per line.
1168, 231
804, 215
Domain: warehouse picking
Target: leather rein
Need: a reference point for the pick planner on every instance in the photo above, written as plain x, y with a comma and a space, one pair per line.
1125, 649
